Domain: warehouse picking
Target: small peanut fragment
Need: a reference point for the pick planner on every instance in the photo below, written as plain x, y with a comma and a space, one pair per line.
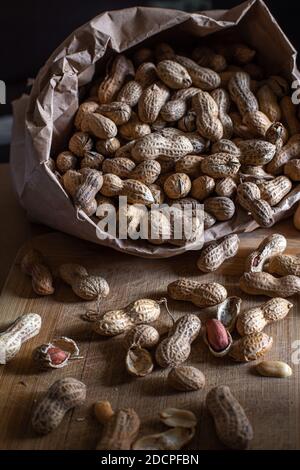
138, 361
274, 369
103, 411
175, 417
173, 439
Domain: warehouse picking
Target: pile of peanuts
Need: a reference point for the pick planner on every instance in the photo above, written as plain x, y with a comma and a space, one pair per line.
163, 127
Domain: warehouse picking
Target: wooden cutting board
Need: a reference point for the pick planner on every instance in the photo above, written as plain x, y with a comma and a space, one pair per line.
273, 405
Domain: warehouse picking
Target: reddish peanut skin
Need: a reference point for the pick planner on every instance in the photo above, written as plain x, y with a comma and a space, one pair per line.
216, 334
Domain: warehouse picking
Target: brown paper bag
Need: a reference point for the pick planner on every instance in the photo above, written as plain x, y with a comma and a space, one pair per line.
43, 120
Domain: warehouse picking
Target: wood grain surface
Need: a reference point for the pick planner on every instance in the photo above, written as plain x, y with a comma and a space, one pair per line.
273, 405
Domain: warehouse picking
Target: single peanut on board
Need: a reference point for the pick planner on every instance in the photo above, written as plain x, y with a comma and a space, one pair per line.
216, 252
232, 425
176, 348
34, 265
200, 294
62, 396
254, 320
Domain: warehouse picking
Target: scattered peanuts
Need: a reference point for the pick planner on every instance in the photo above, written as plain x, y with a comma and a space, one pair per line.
208, 128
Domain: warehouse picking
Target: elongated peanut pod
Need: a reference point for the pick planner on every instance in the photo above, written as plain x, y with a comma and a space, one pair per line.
270, 246
214, 255
175, 349
232, 425
24, 328
254, 320
259, 283
62, 396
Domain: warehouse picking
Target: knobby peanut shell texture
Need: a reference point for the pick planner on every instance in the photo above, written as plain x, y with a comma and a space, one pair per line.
254, 320
186, 378
232, 425
176, 348
251, 347
63, 395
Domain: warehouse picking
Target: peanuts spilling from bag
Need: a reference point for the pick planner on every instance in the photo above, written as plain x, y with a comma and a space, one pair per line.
209, 127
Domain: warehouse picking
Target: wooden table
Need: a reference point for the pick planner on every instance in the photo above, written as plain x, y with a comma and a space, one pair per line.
272, 404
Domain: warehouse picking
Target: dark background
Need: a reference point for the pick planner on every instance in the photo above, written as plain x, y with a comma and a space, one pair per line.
26, 42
